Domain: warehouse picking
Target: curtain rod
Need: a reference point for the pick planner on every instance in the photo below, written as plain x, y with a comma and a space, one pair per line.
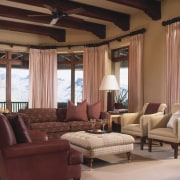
140, 31
168, 22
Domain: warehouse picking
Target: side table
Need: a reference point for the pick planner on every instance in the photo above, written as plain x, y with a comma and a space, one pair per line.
116, 118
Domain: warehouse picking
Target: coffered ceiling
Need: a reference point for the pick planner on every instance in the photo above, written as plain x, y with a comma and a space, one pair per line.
53, 17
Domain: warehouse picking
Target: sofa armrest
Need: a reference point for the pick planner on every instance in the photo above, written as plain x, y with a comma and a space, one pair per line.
30, 149
129, 118
176, 129
145, 119
159, 121
75, 157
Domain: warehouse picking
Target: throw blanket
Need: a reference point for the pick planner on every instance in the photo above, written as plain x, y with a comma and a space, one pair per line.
152, 108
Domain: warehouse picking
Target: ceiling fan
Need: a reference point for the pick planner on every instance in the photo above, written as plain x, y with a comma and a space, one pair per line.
58, 14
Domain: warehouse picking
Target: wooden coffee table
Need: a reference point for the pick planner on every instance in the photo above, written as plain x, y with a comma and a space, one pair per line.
93, 145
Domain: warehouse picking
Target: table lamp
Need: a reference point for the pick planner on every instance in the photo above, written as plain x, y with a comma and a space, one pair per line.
109, 84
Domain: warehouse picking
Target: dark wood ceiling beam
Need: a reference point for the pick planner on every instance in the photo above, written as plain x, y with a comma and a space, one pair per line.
70, 22
97, 29
121, 20
57, 34
151, 7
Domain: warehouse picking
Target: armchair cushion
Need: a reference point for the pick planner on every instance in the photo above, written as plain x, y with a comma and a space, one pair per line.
77, 113
20, 129
173, 118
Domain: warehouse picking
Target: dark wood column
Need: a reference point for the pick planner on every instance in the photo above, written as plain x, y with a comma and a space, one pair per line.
8, 81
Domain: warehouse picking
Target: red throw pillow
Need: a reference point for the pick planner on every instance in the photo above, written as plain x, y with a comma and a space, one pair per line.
20, 129
152, 108
77, 113
94, 110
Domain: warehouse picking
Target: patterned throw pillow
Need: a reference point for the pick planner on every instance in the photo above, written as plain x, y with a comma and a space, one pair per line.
20, 129
94, 110
77, 113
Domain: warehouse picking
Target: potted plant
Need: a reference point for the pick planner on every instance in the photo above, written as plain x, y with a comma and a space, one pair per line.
121, 99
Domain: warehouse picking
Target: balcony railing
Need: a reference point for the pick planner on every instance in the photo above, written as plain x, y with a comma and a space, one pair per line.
15, 106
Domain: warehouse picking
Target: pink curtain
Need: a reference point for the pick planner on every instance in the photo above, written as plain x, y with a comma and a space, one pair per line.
135, 89
172, 64
95, 68
43, 77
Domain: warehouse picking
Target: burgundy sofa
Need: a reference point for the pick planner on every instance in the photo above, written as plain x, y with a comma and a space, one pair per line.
53, 121
28, 155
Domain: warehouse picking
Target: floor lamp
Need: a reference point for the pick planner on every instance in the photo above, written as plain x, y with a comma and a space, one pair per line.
109, 84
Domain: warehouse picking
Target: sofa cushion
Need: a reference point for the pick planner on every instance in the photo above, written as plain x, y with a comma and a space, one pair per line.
37, 115
20, 129
94, 110
83, 125
51, 127
77, 113
79, 125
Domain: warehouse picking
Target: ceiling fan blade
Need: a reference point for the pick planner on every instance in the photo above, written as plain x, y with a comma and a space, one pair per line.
74, 11
53, 10
54, 21
38, 15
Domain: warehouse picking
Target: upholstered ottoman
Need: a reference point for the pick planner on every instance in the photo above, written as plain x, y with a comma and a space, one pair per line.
95, 145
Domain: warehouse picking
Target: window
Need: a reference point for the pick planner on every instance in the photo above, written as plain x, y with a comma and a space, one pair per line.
20, 77
120, 56
70, 78
3, 55
2, 84
123, 81
19, 85
14, 65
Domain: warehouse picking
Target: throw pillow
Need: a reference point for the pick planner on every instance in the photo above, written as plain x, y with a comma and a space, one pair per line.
172, 119
152, 108
77, 113
94, 110
6, 133
61, 114
20, 129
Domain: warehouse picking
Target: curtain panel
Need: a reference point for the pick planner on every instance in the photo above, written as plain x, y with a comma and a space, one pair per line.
135, 78
172, 65
43, 78
95, 62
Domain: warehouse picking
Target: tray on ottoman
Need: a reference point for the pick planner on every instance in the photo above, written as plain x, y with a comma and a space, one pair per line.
94, 145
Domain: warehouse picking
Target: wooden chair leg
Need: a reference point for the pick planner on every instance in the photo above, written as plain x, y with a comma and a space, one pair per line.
143, 140
161, 143
175, 147
129, 156
150, 145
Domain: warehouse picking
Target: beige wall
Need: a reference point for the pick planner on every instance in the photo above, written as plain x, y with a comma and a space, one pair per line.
154, 45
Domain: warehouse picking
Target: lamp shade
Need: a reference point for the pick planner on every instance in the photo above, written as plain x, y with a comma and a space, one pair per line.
109, 83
